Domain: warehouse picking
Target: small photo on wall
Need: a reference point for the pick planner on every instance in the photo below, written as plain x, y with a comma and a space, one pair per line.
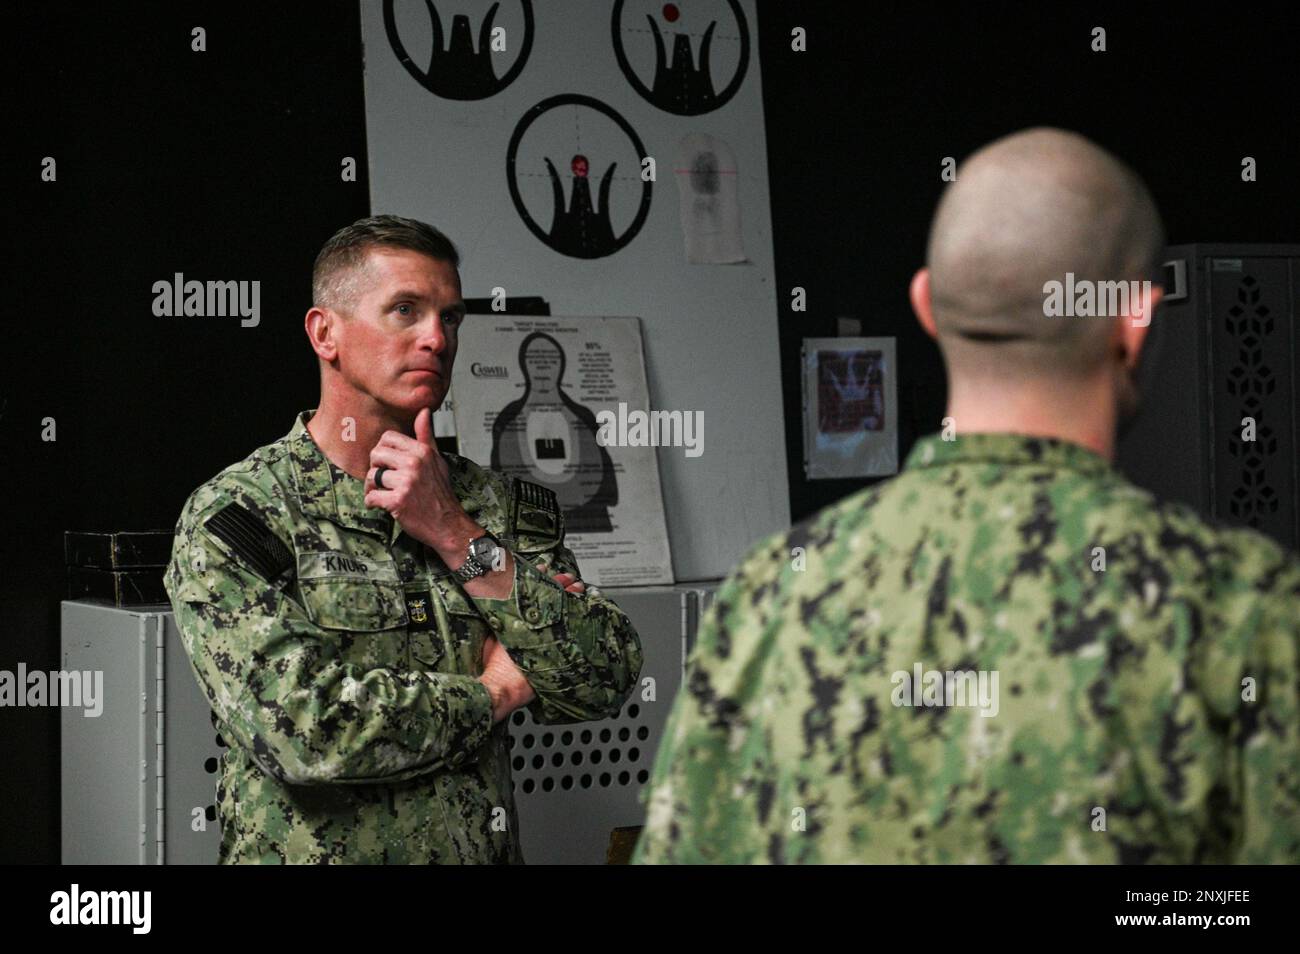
850, 407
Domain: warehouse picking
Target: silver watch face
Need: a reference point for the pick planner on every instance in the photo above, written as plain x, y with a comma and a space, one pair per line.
483, 551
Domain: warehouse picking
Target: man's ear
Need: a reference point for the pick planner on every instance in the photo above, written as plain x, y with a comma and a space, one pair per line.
1133, 328
319, 325
919, 294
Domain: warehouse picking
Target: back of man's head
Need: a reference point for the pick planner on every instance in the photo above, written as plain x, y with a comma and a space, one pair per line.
1026, 210
339, 274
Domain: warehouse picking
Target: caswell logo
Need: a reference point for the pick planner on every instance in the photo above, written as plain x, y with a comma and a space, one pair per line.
213, 300
488, 370
102, 907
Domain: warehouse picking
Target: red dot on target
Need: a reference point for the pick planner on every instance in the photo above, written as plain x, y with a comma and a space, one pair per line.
579, 166
671, 13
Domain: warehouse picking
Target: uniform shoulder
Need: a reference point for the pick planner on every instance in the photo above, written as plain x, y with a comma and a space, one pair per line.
476, 480
1212, 550
254, 482
763, 566
524, 513
792, 546
823, 527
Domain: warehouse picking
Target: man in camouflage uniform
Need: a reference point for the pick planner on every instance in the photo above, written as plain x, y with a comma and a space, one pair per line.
1007, 653
361, 642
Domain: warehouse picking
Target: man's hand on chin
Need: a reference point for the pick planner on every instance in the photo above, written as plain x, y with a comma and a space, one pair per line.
417, 489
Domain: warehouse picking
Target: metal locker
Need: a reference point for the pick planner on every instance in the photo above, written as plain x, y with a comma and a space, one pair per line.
1221, 349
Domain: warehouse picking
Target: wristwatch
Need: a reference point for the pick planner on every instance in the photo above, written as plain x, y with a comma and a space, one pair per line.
481, 558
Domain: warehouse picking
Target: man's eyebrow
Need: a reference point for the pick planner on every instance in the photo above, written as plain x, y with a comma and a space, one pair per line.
459, 307
406, 293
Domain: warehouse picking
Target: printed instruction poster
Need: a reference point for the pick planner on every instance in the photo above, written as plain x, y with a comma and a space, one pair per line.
528, 394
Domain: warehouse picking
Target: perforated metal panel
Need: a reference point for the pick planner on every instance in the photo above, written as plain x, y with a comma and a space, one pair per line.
1251, 366
552, 758
192, 760
1224, 352
574, 784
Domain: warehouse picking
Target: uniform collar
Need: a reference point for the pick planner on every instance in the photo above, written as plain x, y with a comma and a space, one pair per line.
326, 491
1008, 449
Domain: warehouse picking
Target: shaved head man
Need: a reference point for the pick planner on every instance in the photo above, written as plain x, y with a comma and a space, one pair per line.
1026, 211
1007, 653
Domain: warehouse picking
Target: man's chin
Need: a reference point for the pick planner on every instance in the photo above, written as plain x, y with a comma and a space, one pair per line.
417, 399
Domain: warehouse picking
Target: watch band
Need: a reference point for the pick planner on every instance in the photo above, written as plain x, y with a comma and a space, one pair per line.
472, 568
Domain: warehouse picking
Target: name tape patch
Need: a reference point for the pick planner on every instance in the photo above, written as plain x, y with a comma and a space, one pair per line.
335, 565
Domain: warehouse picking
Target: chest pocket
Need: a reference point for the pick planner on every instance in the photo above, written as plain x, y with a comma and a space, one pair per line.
360, 606
349, 594
367, 619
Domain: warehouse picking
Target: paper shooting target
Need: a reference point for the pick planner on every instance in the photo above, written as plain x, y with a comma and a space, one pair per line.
461, 64
574, 171
676, 55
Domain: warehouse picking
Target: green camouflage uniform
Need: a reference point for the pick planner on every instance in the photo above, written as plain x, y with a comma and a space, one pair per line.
1120, 734
340, 659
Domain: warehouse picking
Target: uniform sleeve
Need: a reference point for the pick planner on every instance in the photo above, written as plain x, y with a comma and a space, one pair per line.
1268, 730
579, 652
1216, 732
280, 684
711, 789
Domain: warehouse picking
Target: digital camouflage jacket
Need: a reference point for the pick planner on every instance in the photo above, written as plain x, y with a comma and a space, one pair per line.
1007, 653
340, 659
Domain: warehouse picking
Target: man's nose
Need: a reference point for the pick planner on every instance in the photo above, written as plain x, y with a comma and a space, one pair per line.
433, 334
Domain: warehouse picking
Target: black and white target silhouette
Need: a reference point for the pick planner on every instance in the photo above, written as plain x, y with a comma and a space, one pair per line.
461, 49
687, 57
574, 171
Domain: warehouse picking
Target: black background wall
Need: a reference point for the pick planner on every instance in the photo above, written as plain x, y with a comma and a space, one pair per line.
222, 164
226, 164
856, 133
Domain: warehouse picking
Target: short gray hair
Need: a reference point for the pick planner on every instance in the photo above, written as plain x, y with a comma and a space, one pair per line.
334, 276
